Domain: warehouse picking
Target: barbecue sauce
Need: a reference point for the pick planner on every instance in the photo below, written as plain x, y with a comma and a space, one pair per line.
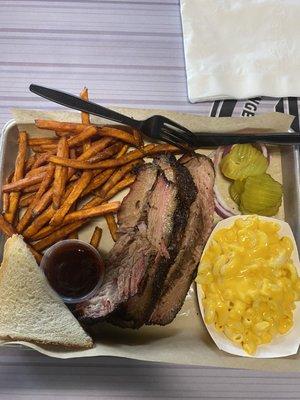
73, 268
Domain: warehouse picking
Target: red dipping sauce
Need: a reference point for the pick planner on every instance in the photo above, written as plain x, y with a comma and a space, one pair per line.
74, 269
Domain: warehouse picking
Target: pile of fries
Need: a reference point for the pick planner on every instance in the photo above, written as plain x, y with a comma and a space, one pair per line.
61, 182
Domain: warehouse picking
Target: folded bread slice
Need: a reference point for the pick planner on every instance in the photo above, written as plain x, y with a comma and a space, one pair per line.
29, 309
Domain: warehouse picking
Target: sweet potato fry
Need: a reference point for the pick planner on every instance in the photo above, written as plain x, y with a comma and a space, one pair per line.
18, 175
116, 177
44, 148
119, 134
138, 137
95, 148
71, 128
37, 171
27, 216
149, 150
123, 184
112, 226
40, 141
19, 185
31, 189
84, 95
42, 215
5, 196
97, 211
30, 162
80, 215
106, 153
37, 234
38, 231
78, 164
43, 158
87, 133
85, 118
98, 181
6, 227
38, 223
73, 156
123, 150
26, 199
67, 128
43, 232
60, 175
45, 216
8, 230
96, 237
59, 234
78, 188
43, 203
5, 202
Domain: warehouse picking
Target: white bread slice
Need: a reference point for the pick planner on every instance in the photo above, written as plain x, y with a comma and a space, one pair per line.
30, 310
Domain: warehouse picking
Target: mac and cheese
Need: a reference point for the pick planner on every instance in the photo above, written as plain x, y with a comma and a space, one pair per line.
249, 282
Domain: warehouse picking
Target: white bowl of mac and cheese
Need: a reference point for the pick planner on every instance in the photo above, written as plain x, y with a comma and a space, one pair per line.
248, 285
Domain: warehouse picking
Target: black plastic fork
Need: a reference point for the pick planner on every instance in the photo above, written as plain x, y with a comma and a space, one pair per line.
156, 127
161, 128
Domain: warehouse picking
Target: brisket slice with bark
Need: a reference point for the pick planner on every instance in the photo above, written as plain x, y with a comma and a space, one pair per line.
198, 228
133, 204
137, 264
130, 256
164, 225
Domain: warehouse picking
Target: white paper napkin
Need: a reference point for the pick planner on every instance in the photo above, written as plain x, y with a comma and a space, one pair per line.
241, 48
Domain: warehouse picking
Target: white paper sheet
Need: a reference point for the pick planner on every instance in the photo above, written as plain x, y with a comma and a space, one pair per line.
241, 48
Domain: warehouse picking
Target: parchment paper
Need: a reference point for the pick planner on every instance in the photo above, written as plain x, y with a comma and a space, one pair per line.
185, 340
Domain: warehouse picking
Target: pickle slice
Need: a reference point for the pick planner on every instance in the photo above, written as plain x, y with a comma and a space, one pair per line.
236, 189
267, 212
242, 161
262, 194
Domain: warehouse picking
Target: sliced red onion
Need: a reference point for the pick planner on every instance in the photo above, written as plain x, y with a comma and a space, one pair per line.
226, 150
220, 206
221, 211
264, 150
218, 156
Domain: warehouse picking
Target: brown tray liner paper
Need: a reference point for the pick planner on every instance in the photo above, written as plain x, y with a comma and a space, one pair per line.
185, 340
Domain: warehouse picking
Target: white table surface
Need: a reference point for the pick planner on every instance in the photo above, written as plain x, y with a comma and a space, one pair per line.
127, 53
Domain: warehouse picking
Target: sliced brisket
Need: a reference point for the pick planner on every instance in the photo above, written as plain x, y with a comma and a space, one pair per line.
128, 263
130, 256
151, 216
164, 225
134, 203
198, 228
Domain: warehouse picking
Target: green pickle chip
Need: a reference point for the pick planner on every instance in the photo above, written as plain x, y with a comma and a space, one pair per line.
236, 189
242, 161
269, 212
262, 195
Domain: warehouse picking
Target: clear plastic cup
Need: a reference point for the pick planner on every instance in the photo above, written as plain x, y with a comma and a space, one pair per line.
74, 269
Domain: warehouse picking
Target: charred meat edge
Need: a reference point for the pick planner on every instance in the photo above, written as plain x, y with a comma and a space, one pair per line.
185, 196
128, 236
185, 266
